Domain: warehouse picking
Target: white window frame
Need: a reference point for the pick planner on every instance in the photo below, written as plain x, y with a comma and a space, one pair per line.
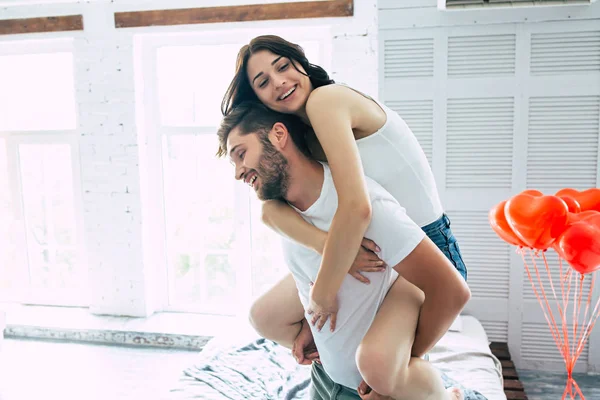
155, 255
13, 141
70, 137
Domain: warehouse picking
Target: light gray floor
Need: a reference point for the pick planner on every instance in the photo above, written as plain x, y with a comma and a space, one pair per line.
550, 385
54, 370
46, 370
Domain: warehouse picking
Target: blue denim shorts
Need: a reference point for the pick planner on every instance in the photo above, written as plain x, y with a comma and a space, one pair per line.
440, 233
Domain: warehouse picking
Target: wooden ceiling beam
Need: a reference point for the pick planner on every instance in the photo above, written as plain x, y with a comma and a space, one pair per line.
41, 24
243, 13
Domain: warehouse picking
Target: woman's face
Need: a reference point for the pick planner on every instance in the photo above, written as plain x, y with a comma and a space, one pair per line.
277, 83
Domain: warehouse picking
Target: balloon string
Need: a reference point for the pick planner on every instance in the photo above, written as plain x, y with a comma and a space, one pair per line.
581, 278
589, 327
564, 305
577, 389
570, 275
568, 388
560, 309
573, 344
550, 325
559, 343
587, 304
549, 276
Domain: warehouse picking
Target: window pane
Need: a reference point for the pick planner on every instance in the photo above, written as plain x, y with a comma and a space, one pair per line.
40, 85
13, 267
199, 207
48, 200
192, 81
268, 264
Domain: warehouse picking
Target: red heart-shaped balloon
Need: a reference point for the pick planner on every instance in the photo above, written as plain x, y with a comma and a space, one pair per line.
574, 206
538, 221
567, 192
576, 217
499, 224
588, 199
579, 245
532, 192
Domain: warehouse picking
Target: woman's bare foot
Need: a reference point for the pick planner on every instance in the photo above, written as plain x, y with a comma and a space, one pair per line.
455, 393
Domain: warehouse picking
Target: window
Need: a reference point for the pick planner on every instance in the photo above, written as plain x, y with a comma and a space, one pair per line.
200, 206
12, 254
40, 251
191, 82
48, 204
218, 254
39, 85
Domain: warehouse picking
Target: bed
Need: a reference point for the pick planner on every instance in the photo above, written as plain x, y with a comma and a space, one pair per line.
249, 367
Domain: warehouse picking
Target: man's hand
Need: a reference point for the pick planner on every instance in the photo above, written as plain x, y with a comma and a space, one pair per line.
366, 261
321, 308
366, 393
304, 349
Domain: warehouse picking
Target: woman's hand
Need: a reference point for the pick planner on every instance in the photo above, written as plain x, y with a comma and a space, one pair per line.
366, 261
321, 308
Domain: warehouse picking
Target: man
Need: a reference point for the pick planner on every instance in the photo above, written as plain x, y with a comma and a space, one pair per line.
376, 322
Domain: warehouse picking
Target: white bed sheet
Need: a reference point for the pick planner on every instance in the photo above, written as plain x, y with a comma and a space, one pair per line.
466, 357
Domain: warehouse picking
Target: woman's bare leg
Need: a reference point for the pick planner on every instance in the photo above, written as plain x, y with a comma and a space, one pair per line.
277, 314
446, 292
384, 355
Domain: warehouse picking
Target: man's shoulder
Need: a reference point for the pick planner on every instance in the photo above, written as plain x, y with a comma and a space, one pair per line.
378, 193
385, 209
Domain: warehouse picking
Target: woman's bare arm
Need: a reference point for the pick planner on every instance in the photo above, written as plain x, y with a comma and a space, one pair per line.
282, 219
329, 109
285, 221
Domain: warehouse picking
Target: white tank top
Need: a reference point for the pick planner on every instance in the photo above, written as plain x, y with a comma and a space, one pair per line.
393, 157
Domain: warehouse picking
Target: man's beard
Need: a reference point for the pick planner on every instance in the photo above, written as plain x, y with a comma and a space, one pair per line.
273, 171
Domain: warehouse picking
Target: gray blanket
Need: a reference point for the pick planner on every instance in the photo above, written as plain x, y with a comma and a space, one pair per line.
257, 370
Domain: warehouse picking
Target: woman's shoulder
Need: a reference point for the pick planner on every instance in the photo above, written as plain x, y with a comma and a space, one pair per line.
327, 91
334, 95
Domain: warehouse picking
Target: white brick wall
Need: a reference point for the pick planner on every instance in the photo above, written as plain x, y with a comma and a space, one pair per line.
109, 152
109, 168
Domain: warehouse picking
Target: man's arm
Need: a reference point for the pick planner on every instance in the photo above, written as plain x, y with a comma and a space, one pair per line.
418, 260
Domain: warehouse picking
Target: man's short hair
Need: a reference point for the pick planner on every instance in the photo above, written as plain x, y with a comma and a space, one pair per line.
254, 117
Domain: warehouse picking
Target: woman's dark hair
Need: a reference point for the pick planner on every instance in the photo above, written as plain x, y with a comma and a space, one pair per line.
240, 90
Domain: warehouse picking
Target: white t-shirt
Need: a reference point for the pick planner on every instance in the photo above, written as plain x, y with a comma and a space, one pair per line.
397, 236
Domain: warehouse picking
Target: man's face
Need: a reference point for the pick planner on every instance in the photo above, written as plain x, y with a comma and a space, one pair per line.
259, 164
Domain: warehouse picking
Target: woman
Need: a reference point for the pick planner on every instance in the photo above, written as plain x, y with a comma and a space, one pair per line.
356, 136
